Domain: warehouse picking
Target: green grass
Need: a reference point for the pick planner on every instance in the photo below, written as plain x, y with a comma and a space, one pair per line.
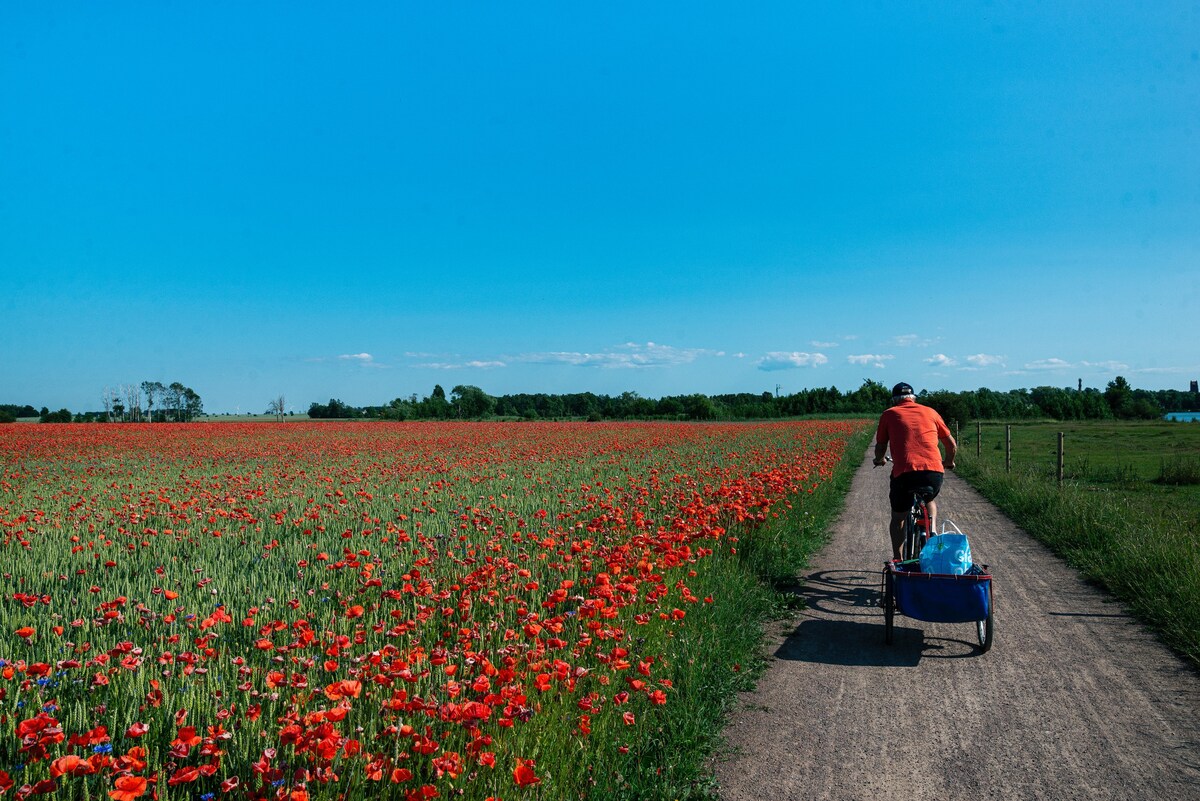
1127, 514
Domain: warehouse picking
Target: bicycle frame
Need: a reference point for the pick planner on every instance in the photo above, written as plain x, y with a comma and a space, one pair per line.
916, 528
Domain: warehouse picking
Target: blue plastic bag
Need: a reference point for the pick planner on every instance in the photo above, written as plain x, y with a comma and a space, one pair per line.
946, 553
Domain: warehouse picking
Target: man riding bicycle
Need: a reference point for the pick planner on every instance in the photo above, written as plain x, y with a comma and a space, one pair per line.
913, 432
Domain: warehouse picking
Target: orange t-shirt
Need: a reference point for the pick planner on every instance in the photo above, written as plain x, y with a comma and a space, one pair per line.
912, 432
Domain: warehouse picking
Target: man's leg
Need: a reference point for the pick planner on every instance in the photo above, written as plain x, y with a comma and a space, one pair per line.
933, 529
896, 529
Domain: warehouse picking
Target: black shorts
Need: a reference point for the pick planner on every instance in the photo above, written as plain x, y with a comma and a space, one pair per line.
905, 484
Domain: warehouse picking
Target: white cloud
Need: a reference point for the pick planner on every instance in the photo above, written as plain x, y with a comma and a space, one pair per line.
816, 344
941, 360
629, 355
912, 340
1048, 364
1168, 370
985, 360
780, 360
1111, 365
469, 365
361, 359
873, 359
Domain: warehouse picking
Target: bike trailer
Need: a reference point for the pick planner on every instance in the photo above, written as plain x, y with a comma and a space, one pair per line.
941, 597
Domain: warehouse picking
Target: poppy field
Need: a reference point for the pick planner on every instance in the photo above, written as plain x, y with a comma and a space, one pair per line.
419, 610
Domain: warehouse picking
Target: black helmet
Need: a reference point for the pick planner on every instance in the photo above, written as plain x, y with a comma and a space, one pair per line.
901, 390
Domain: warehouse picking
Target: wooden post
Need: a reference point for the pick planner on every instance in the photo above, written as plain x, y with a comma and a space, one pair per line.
1060, 458
1007, 448
978, 437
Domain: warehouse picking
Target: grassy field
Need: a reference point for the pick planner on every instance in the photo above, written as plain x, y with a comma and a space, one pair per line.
1127, 515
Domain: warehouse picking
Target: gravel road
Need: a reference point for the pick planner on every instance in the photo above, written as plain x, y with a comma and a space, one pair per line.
1075, 700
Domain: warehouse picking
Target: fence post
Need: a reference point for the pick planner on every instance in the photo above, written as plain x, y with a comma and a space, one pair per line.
1060, 458
978, 437
1007, 448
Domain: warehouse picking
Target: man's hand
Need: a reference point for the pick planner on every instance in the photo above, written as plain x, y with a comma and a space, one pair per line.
949, 464
880, 461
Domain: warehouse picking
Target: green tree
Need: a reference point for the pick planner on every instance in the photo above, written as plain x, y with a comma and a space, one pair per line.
471, 402
699, 407
61, 416
1119, 395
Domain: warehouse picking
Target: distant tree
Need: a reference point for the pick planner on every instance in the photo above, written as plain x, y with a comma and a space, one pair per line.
699, 407
332, 410
152, 389
61, 416
670, 407
871, 397
6, 416
133, 401
277, 407
471, 402
1119, 395
398, 409
193, 407
436, 406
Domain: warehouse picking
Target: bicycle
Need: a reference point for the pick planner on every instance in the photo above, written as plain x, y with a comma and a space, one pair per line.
916, 525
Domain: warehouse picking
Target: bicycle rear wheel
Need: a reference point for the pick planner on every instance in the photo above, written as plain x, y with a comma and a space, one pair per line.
985, 629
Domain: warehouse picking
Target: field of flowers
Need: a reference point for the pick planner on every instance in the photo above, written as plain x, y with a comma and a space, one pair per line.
315, 611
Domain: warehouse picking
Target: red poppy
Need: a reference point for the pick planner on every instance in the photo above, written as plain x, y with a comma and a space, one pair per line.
184, 775
128, 788
523, 773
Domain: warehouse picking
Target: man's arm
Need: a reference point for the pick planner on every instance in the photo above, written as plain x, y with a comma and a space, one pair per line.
951, 449
880, 450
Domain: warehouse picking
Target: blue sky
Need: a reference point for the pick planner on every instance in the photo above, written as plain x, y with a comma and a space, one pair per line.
256, 199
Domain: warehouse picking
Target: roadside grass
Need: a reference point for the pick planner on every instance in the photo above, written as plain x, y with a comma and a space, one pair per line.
1127, 515
722, 654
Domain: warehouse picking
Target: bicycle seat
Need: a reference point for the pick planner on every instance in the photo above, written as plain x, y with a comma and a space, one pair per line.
924, 493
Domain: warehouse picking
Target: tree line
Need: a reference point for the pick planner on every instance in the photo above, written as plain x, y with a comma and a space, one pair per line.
1118, 400
147, 402
152, 401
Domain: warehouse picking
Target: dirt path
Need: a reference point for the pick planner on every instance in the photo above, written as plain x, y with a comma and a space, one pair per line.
1074, 701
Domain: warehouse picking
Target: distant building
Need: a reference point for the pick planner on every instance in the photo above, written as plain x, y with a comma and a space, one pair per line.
1195, 388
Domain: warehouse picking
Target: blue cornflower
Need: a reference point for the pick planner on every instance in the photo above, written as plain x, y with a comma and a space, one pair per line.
103, 748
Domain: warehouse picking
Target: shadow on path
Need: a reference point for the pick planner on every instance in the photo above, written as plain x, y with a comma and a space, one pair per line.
844, 626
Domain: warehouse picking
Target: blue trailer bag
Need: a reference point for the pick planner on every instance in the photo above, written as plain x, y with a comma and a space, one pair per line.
940, 597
